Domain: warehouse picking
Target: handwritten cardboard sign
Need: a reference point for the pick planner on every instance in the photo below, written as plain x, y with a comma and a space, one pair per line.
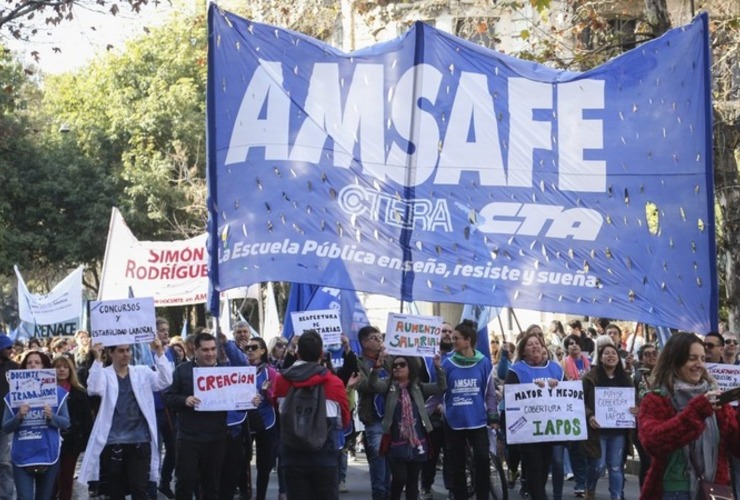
535, 414
126, 321
326, 322
35, 388
224, 388
409, 335
612, 407
727, 376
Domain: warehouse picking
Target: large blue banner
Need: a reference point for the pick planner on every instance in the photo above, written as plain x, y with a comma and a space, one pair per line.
429, 168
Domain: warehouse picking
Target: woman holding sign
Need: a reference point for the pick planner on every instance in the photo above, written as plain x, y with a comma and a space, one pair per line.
36, 432
683, 425
534, 367
606, 444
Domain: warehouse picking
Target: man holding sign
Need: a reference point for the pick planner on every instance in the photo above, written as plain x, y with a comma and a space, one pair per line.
201, 435
124, 438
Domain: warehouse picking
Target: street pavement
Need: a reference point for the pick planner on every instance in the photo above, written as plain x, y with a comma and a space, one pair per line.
358, 483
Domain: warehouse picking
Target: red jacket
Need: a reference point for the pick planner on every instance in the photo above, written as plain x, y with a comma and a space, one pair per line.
333, 390
663, 431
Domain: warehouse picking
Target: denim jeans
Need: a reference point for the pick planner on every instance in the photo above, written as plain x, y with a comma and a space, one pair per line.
612, 452
380, 471
558, 458
342, 466
7, 486
29, 486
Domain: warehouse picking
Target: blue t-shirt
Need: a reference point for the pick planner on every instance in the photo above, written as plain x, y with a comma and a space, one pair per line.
129, 425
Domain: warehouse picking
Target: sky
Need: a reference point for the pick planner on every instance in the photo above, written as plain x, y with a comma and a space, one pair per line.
90, 33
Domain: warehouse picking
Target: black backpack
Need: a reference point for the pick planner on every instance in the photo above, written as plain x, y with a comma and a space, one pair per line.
303, 423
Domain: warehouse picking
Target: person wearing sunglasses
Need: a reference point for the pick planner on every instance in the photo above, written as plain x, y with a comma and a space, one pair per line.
644, 379
729, 353
406, 424
277, 347
714, 345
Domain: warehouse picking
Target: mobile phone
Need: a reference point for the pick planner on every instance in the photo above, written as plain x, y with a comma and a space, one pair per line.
729, 396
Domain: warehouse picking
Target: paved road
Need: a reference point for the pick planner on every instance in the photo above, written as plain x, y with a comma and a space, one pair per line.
358, 482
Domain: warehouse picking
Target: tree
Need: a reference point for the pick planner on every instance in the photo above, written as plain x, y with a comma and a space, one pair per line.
17, 16
142, 114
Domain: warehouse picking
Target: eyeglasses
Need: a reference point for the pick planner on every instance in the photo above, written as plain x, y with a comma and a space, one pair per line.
709, 345
253, 347
446, 330
400, 364
733, 342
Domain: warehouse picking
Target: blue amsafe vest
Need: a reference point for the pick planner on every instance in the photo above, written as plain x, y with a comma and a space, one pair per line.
35, 442
465, 398
528, 374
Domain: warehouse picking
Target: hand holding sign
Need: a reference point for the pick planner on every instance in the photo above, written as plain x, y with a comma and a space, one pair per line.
192, 401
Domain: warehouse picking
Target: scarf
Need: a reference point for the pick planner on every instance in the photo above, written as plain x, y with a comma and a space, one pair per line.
406, 428
571, 370
461, 360
64, 384
706, 447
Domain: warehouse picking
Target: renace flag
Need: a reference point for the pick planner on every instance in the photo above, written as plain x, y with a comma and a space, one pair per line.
429, 168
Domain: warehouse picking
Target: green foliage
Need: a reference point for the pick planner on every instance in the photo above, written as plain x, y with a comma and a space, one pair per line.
142, 114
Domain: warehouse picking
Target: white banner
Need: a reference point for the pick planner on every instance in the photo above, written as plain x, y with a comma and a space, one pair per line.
224, 388
535, 414
175, 273
410, 335
62, 304
326, 322
118, 322
35, 388
613, 405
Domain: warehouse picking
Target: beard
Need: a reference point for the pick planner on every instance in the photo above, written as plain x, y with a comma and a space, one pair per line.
445, 345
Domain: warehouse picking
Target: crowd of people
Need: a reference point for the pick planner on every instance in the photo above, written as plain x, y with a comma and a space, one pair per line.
137, 430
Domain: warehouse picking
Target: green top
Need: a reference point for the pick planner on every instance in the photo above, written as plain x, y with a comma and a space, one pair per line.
676, 476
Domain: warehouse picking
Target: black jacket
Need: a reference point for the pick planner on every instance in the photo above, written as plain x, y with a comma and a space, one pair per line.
192, 425
80, 423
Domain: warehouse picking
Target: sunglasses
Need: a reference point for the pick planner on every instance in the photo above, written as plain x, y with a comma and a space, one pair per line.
375, 337
650, 354
709, 345
400, 364
280, 345
733, 342
253, 347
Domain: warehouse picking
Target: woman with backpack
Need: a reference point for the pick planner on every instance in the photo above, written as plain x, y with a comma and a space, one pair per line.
406, 423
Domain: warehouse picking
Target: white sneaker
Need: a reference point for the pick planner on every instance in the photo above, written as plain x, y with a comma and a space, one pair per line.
343, 487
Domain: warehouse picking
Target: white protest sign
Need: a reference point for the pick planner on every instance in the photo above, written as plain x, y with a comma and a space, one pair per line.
612, 407
35, 388
325, 321
118, 322
537, 415
727, 376
223, 388
409, 335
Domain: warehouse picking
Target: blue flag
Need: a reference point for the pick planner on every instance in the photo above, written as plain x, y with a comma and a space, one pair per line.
430, 168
